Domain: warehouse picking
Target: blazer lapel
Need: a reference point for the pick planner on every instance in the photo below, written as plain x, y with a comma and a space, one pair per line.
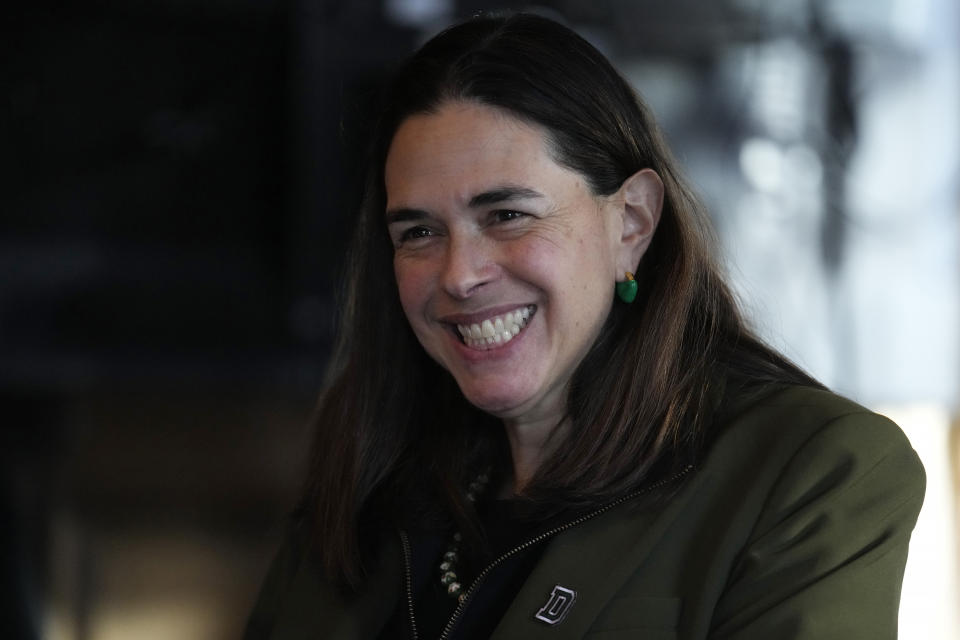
592, 560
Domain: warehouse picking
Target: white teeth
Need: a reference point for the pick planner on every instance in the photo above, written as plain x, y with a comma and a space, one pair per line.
487, 329
497, 330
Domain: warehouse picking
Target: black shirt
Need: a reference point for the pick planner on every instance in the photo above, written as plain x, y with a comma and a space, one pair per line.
506, 525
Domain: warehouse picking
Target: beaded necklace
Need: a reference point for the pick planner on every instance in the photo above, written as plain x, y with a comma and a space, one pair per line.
448, 565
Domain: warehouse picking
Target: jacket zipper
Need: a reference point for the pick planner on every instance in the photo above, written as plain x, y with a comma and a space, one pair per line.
408, 580
475, 585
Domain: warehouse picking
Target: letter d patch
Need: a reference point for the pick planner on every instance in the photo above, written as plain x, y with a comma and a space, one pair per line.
557, 607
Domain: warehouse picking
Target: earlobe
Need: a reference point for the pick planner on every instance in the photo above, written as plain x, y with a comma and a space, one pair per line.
642, 195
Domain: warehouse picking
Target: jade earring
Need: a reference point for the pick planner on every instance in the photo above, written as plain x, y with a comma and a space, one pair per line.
627, 290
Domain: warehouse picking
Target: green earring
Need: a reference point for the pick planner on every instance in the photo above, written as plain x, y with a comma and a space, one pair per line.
627, 290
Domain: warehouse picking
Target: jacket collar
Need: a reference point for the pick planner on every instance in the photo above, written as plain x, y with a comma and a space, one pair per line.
593, 559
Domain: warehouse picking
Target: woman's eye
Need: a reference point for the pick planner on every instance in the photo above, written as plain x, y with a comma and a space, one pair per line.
414, 233
507, 215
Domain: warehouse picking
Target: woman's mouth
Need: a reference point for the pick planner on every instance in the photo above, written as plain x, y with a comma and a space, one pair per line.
496, 331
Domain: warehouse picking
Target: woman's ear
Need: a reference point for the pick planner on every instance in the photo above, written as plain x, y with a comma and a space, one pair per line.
642, 198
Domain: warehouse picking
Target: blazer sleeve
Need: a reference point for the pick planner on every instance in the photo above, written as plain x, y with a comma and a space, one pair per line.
826, 556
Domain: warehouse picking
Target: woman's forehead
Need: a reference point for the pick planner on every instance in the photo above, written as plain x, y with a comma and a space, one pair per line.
464, 128
468, 148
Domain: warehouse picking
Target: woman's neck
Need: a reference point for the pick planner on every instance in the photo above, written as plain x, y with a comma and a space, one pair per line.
531, 442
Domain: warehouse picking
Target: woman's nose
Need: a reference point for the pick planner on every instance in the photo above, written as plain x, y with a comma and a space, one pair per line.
468, 265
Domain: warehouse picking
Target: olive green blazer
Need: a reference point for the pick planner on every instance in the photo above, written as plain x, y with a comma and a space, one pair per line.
795, 525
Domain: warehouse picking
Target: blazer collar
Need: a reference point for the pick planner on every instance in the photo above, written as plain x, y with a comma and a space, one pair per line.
594, 560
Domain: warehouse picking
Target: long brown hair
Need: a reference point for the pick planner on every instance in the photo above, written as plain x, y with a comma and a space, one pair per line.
393, 431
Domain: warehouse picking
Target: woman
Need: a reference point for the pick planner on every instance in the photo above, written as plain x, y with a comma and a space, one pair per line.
546, 417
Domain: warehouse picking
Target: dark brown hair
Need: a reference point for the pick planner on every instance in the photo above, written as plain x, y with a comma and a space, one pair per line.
393, 431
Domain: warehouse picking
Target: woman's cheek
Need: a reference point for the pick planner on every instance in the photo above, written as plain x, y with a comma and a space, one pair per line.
413, 285
537, 257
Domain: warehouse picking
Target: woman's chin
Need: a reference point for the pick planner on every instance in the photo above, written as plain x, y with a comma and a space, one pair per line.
512, 402
501, 403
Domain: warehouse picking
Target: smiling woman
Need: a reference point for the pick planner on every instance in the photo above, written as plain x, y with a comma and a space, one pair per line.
466, 261
512, 445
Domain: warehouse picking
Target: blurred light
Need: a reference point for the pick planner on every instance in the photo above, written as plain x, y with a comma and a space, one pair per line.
779, 74
802, 167
761, 161
763, 220
416, 13
794, 171
158, 584
186, 619
928, 606
910, 20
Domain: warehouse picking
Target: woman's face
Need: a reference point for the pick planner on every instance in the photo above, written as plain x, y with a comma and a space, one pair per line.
505, 261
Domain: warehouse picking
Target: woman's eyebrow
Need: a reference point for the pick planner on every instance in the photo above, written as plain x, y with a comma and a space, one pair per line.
405, 214
502, 194
483, 199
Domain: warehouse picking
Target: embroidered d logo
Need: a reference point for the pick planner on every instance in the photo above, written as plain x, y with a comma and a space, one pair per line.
557, 607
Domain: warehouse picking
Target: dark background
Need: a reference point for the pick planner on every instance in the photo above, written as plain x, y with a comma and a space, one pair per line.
174, 210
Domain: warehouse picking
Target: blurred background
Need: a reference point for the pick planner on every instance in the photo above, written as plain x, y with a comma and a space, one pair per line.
178, 182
